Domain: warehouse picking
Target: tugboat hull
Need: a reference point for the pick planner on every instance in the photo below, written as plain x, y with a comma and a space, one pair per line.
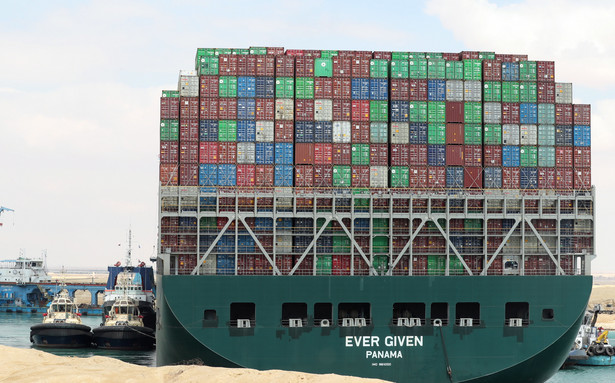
124, 338
61, 335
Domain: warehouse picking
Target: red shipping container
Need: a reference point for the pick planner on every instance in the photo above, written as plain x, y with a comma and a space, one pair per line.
473, 177
360, 67
379, 154
228, 65
294, 52
340, 264
546, 178
493, 155
400, 154
189, 130
563, 114
169, 152
304, 175
221, 221
285, 66
189, 174
264, 175
494, 226
189, 152
359, 132
314, 53
209, 108
545, 71
304, 66
227, 108
189, 108
419, 177
419, 262
360, 110
382, 55
510, 113
473, 155
323, 154
323, 176
276, 51
417, 155
470, 55
517, 58
342, 88
454, 133
345, 53
304, 153
169, 174
492, 70
449, 56
546, 92
582, 157
564, 178
208, 152
581, 114
363, 54
341, 109
436, 176
246, 175
360, 176
209, 86
456, 226
510, 178
284, 131
265, 108
563, 157
400, 89
582, 178
246, 65
169, 108
417, 90
227, 152
454, 155
323, 87
304, 110
342, 154
454, 112
474, 262
342, 66
583, 244
265, 66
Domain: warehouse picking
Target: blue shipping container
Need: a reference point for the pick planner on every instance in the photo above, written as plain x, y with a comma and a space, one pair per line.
436, 90
246, 131
284, 223
226, 244
457, 242
284, 154
528, 113
492, 178
208, 130
563, 135
400, 111
246, 86
510, 71
245, 244
264, 153
225, 264
263, 224
300, 243
208, 174
379, 89
205, 242
227, 175
303, 225
418, 133
361, 225
246, 109
265, 87
324, 244
436, 155
323, 131
304, 131
283, 175
529, 178
360, 89
511, 156
454, 177
582, 135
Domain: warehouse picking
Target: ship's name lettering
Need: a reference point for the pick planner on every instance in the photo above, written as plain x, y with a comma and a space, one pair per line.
389, 341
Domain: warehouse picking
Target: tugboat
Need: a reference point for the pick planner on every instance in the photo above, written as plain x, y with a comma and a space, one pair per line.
591, 347
123, 328
61, 327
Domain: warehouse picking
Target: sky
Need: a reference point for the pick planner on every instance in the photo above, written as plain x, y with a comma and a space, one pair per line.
80, 83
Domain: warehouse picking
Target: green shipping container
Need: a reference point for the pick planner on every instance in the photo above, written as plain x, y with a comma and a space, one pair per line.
436, 111
436, 134
169, 130
529, 156
454, 70
528, 92
486, 55
473, 113
360, 154
472, 69
399, 69
320, 222
546, 135
379, 111
170, 93
400, 56
258, 50
546, 156
492, 91
341, 175
328, 54
341, 244
227, 86
418, 111
323, 264
473, 134
381, 263
436, 68
473, 225
417, 68
492, 134
284, 87
416, 55
436, 264
527, 70
455, 267
510, 91
380, 245
379, 132
208, 66
323, 67
227, 130
433, 55
223, 51
240, 51
209, 224
400, 177
546, 114
379, 68
304, 88
380, 226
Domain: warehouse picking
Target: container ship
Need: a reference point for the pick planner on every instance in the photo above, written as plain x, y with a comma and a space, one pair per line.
408, 216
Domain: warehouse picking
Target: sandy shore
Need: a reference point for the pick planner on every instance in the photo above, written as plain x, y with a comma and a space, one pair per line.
604, 295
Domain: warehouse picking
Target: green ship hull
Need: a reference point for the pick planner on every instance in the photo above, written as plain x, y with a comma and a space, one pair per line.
197, 325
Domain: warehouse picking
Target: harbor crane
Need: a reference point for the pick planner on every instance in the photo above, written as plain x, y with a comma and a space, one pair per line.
3, 209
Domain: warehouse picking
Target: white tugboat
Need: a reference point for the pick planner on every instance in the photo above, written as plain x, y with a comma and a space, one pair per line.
123, 328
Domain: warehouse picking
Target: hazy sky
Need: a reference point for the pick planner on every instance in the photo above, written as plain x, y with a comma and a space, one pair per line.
80, 83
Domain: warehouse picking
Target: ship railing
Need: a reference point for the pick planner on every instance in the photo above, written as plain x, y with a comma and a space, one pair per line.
354, 322
242, 323
516, 322
468, 322
294, 322
409, 322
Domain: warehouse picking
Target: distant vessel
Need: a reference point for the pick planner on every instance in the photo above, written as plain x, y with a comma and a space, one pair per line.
23, 270
61, 327
123, 328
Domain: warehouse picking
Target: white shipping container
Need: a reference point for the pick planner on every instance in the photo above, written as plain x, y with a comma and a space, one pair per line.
529, 135
492, 113
246, 153
341, 132
472, 91
284, 243
378, 177
209, 265
188, 83
400, 133
323, 110
284, 109
454, 90
510, 134
563, 93
264, 131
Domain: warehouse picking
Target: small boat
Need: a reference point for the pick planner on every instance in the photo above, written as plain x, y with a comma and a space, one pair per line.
123, 328
591, 347
61, 327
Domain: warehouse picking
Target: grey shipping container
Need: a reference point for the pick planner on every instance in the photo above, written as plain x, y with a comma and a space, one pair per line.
341, 132
323, 110
472, 91
246, 153
264, 131
284, 109
188, 83
454, 90
378, 177
546, 135
563, 93
400, 133
492, 113
510, 134
528, 135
